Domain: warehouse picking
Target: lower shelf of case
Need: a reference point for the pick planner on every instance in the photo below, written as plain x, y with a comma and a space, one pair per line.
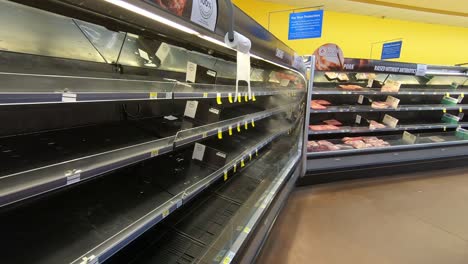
101, 217
385, 156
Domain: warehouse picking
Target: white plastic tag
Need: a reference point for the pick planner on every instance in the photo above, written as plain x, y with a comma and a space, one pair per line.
198, 152
191, 72
191, 109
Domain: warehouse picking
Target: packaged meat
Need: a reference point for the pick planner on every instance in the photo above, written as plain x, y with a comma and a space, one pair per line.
350, 87
316, 106
323, 127
352, 139
331, 75
322, 145
343, 77
365, 76
321, 102
391, 86
436, 139
376, 125
344, 147
333, 122
380, 105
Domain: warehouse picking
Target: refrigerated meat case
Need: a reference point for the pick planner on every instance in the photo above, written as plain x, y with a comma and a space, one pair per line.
110, 155
384, 113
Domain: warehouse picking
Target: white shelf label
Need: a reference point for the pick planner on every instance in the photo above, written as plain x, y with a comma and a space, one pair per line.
421, 70
73, 176
69, 97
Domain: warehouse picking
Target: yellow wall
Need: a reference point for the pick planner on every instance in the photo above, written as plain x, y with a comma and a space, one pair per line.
422, 43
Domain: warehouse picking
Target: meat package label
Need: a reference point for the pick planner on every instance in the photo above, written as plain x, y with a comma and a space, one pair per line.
409, 138
390, 121
393, 102
205, 13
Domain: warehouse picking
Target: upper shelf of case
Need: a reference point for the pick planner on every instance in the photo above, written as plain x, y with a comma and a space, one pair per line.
149, 19
19, 88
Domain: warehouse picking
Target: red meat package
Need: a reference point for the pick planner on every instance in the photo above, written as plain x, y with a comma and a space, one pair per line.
321, 102
316, 106
333, 122
350, 87
323, 127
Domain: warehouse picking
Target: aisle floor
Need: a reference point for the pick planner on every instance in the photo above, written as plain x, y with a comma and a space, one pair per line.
419, 218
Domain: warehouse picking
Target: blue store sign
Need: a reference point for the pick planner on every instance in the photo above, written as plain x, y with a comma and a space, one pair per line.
305, 25
391, 50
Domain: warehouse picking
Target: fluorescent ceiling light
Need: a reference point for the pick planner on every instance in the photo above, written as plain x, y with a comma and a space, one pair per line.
180, 27
151, 15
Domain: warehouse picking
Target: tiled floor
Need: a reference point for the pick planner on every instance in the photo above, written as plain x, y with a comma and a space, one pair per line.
420, 218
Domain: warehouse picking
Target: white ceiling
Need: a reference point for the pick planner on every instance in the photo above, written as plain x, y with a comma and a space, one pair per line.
446, 12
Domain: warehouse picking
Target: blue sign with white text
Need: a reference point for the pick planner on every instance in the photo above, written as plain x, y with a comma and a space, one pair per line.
391, 50
305, 25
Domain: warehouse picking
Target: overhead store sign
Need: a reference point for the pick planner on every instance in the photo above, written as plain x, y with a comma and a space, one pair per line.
305, 25
391, 50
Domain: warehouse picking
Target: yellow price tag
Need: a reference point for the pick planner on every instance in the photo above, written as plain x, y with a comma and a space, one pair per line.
238, 127
447, 94
205, 95
153, 95
154, 153
239, 98
230, 130
230, 98
242, 163
253, 97
218, 99
235, 168
220, 134
165, 213
462, 95
247, 230
246, 97
250, 156
461, 110
225, 175
253, 123
445, 128
444, 110
204, 135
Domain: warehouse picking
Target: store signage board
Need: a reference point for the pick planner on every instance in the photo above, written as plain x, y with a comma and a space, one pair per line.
391, 50
305, 25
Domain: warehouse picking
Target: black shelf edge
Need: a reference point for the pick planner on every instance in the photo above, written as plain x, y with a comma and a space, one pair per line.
398, 128
319, 91
329, 164
318, 155
401, 108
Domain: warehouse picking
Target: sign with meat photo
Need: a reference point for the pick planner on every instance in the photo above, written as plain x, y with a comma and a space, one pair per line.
177, 7
201, 12
329, 57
